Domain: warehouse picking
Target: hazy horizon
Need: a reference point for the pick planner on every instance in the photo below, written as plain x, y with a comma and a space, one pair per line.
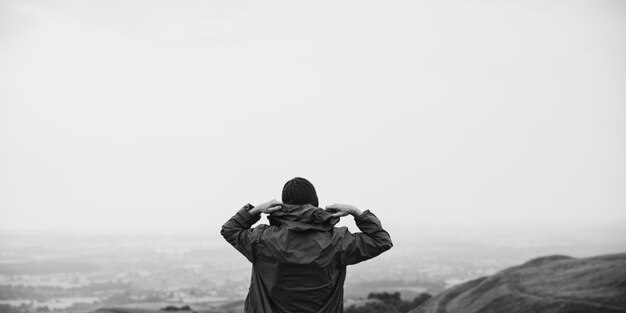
149, 117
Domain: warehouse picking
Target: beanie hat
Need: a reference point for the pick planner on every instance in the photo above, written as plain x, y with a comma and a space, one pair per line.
299, 191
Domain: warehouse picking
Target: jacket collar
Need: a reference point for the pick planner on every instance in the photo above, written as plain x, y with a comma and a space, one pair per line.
302, 218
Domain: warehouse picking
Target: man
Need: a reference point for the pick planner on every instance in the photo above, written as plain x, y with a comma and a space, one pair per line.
299, 260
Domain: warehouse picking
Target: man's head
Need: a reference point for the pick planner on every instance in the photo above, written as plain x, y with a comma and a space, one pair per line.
299, 191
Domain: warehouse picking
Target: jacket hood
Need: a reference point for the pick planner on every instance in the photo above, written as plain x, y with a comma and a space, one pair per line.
302, 218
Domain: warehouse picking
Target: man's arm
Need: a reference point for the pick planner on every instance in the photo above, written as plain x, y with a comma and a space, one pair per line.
370, 242
237, 230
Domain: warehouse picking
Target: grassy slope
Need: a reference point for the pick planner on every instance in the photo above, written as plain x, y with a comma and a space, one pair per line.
556, 284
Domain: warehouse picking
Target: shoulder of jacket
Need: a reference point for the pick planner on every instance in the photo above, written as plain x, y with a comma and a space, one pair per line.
258, 231
341, 231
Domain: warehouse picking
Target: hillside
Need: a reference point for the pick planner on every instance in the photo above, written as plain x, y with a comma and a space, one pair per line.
555, 284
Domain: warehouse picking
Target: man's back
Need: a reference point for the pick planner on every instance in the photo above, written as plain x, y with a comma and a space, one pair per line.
300, 268
299, 260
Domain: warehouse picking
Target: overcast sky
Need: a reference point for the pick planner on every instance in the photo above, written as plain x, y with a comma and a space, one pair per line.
150, 116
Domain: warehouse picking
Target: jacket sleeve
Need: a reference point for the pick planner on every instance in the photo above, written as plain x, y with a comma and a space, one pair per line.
370, 242
238, 233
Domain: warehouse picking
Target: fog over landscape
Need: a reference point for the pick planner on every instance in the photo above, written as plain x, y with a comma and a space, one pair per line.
481, 134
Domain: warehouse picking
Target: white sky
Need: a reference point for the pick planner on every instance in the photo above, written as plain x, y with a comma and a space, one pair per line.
159, 116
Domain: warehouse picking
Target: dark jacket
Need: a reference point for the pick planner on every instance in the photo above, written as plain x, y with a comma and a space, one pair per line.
299, 260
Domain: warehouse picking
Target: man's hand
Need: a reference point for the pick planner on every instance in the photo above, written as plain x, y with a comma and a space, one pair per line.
340, 210
267, 207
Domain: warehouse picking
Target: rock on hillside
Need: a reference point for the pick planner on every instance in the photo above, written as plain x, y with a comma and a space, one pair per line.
555, 284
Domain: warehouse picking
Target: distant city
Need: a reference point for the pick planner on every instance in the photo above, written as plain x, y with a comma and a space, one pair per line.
66, 273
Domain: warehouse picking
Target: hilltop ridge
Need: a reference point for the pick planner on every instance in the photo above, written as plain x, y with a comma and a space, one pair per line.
556, 284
